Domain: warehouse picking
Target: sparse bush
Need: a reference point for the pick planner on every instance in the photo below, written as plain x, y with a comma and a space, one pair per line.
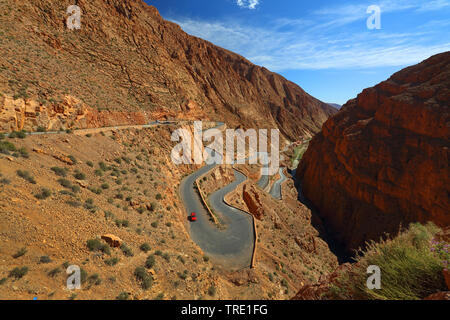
105, 186
143, 277
62, 172
212, 290
79, 175
98, 173
155, 224
73, 159
18, 272
20, 253
158, 196
2, 281
98, 245
45, 193
112, 262
26, 176
45, 259
41, 129
90, 164
150, 262
205, 258
145, 247
6, 147
54, 272
123, 296
126, 250
17, 134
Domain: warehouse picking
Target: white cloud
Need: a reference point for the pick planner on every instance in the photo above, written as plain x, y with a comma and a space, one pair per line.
249, 4
327, 40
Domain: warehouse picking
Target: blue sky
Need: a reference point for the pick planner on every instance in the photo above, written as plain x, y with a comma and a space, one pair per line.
323, 46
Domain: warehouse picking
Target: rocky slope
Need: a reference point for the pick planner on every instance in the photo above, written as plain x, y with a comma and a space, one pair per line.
127, 58
383, 160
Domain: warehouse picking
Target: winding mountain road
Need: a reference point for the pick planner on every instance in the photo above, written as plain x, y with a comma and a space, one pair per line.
275, 191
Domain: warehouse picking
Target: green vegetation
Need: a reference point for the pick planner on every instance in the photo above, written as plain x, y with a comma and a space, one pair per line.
54, 272
20, 253
26, 176
45, 259
98, 245
62, 172
79, 175
126, 250
112, 261
143, 278
123, 296
411, 268
44, 194
150, 262
212, 290
6, 147
18, 272
17, 134
67, 184
145, 247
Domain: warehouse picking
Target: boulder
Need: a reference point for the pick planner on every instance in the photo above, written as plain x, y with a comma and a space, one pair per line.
112, 240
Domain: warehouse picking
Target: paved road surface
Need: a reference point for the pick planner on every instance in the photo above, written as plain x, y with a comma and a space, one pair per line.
275, 191
232, 244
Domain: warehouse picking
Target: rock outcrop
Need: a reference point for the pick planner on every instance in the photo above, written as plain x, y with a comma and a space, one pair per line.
126, 57
383, 161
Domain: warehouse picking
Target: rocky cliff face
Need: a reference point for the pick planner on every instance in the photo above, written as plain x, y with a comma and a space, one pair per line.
126, 57
383, 160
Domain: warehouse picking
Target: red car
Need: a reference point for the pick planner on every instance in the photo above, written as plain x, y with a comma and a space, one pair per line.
193, 217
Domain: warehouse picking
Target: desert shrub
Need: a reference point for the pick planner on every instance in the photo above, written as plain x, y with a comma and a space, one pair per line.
212, 290
150, 262
23, 153
95, 279
54, 272
5, 181
410, 269
79, 175
90, 164
103, 166
74, 203
97, 191
6, 147
17, 134
44, 194
18, 272
112, 262
105, 186
126, 250
73, 159
26, 176
123, 296
45, 259
2, 281
143, 278
98, 173
41, 129
122, 223
145, 247
158, 196
154, 224
205, 258
62, 172
98, 245
20, 253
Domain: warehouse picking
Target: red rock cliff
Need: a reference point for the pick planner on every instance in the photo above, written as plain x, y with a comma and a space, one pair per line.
383, 161
126, 57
